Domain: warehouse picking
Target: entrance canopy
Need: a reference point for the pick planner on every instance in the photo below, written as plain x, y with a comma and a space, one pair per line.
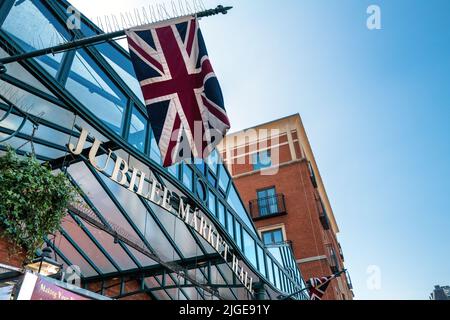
116, 234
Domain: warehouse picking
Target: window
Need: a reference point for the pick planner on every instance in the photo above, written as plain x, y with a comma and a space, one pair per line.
236, 204
212, 161
249, 248
230, 224
224, 178
155, 154
270, 269
221, 214
238, 234
200, 166
201, 190
267, 202
272, 236
138, 130
173, 170
211, 178
261, 160
261, 258
187, 176
212, 202
312, 175
276, 273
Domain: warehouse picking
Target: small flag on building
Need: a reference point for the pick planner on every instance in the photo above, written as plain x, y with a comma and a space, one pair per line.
183, 97
318, 286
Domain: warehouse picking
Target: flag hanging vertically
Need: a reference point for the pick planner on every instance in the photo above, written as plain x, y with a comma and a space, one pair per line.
318, 286
183, 97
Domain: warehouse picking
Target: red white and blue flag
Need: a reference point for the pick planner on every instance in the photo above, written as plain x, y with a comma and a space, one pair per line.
182, 94
318, 286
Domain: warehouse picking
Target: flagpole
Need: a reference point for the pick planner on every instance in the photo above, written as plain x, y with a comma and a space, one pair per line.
76, 44
281, 297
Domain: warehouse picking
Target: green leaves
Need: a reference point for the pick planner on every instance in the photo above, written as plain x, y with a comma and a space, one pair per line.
33, 200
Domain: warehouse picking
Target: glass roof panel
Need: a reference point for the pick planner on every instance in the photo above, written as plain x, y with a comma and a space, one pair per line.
114, 250
36, 106
25, 146
275, 251
17, 71
99, 197
92, 87
48, 134
74, 257
142, 219
143, 259
11, 122
122, 65
33, 27
236, 204
161, 295
226, 293
86, 244
176, 294
178, 231
192, 293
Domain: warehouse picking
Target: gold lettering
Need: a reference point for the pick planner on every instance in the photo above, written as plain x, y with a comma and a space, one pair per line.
81, 141
117, 170
134, 177
166, 200
184, 211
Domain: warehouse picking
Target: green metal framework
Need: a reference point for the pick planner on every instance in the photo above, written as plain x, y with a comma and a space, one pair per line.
36, 96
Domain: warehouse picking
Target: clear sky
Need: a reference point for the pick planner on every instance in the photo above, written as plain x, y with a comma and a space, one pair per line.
376, 106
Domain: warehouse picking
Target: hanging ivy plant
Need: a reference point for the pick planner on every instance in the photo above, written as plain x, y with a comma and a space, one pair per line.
33, 201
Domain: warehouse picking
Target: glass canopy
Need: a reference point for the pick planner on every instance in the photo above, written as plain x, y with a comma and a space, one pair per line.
44, 102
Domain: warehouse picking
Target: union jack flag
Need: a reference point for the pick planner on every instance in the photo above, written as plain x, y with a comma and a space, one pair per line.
318, 286
182, 94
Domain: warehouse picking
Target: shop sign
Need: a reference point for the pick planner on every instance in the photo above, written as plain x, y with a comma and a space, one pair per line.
160, 195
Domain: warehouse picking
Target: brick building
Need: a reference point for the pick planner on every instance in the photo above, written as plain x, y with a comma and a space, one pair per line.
274, 169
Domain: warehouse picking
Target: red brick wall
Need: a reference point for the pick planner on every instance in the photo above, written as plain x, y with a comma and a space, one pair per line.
8, 256
113, 289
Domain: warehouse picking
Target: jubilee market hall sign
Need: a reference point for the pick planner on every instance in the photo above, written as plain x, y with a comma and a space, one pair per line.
164, 198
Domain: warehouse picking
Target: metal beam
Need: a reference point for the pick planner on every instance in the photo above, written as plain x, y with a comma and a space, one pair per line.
145, 272
5, 276
93, 40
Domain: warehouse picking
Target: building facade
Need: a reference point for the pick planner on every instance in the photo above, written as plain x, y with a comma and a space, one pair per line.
440, 293
125, 245
275, 172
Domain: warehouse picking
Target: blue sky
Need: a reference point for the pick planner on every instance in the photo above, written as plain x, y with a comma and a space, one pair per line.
376, 106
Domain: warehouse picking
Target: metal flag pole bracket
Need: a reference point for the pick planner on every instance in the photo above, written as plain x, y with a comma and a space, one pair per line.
89, 41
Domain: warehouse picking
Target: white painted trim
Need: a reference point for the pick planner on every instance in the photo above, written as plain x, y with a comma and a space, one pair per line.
249, 173
27, 288
244, 154
311, 259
